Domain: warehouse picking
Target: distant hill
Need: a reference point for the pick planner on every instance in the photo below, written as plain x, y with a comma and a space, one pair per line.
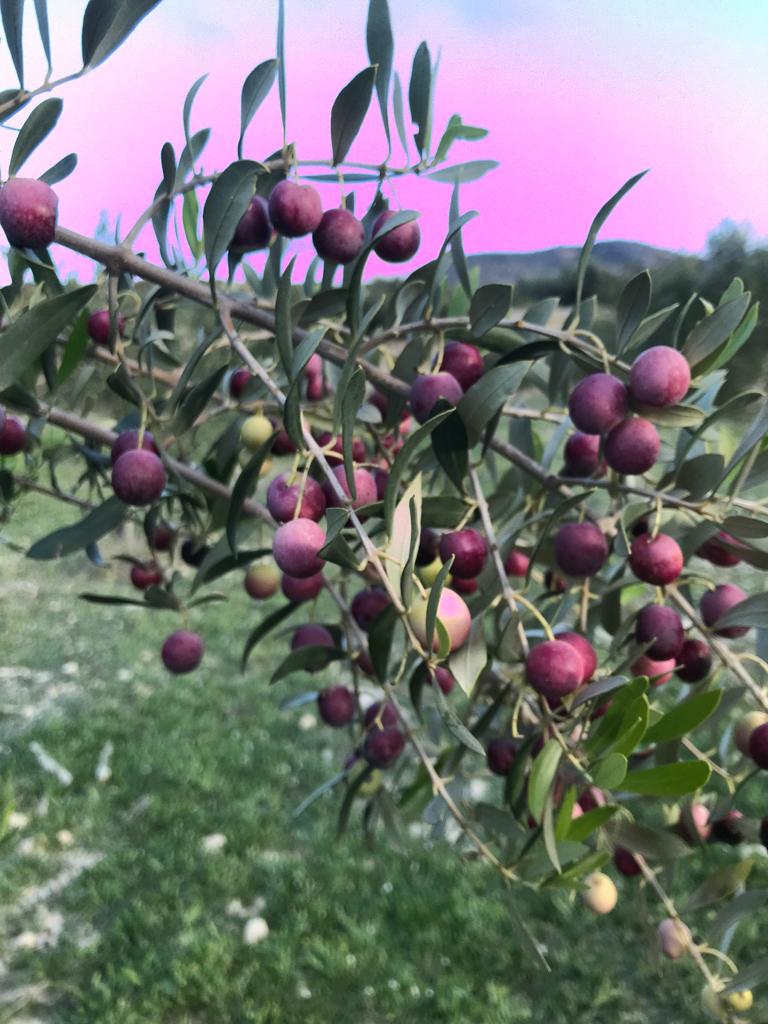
617, 258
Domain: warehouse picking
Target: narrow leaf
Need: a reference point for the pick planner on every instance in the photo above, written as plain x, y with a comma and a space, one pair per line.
187, 111
41, 13
111, 599
749, 977
25, 340
455, 130
283, 320
402, 461
684, 717
264, 628
668, 779
75, 349
741, 906
420, 97
610, 772
658, 845
106, 25
351, 402
380, 43
451, 446
292, 408
714, 330
455, 724
720, 885
241, 490
468, 662
752, 612
37, 127
542, 776
633, 305
380, 638
472, 170
649, 326
226, 203
433, 601
399, 112
60, 170
255, 90
324, 787
306, 659
602, 216
487, 396
13, 22
457, 246
281, 60
93, 527
348, 112
489, 305
160, 216
586, 824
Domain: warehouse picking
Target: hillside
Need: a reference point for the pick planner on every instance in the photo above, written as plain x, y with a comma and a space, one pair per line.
617, 258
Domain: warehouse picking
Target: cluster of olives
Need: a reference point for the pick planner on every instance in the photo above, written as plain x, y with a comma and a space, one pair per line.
294, 210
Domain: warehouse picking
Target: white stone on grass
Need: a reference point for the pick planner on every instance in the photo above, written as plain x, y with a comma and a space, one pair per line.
255, 930
214, 842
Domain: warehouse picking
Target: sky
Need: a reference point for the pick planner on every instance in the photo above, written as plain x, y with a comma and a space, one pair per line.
577, 97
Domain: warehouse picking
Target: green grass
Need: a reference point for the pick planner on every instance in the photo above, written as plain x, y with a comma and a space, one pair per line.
402, 932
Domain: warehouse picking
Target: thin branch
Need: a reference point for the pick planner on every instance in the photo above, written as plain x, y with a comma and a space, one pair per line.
24, 96
118, 258
493, 544
102, 435
27, 484
723, 652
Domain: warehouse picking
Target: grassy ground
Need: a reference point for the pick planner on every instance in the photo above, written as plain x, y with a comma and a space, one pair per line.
151, 931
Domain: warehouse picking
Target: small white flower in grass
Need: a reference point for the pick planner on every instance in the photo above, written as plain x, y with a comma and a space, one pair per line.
104, 764
415, 991
214, 842
124, 675
70, 668
369, 991
302, 991
393, 985
307, 721
256, 930
387, 888
16, 820
27, 940
236, 908
65, 837
351, 959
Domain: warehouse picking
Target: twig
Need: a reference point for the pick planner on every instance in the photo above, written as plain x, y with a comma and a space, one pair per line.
102, 435
493, 544
722, 650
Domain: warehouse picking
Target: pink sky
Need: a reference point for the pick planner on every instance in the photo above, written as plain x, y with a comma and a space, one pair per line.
577, 97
